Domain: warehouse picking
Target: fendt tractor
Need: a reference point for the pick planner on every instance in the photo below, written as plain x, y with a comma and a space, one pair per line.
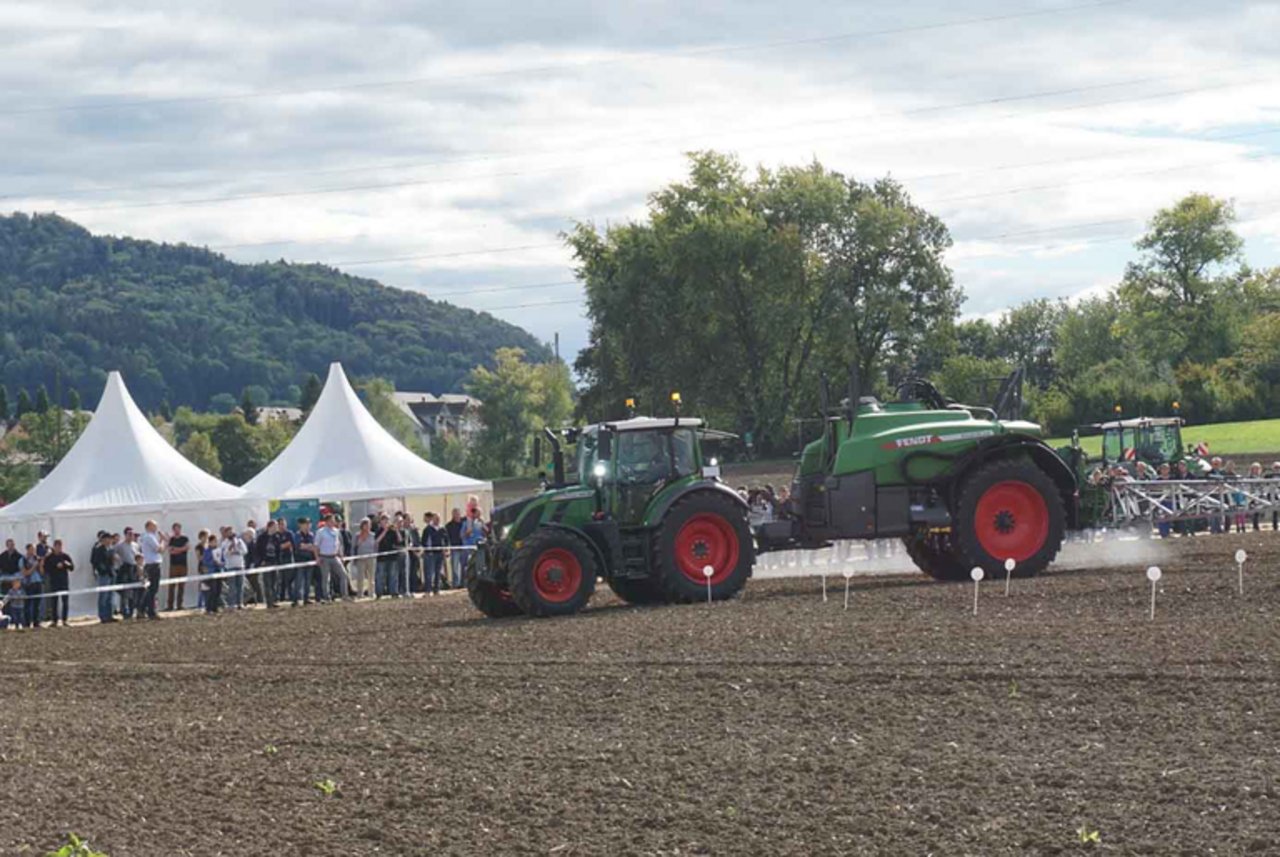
961, 485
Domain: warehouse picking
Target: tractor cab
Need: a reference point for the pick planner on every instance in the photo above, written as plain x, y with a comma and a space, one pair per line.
1154, 440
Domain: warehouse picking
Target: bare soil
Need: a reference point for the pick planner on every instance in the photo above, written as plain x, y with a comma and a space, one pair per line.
773, 724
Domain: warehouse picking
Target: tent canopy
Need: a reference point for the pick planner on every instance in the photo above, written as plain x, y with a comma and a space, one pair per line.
121, 463
343, 453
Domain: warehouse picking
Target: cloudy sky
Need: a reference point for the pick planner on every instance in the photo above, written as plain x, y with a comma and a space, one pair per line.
444, 147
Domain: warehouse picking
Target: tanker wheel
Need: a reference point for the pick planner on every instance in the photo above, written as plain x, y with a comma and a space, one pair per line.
637, 590
703, 529
488, 597
552, 573
1009, 510
936, 557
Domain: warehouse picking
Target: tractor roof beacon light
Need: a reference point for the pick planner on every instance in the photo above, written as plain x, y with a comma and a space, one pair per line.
675, 404
1119, 410
631, 407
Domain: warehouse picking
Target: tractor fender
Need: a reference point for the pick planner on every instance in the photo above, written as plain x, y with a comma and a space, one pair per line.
1008, 446
659, 509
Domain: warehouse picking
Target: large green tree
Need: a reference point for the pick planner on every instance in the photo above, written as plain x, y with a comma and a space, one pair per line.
740, 291
517, 399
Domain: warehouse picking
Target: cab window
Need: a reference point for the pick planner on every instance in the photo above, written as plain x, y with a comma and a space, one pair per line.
643, 457
682, 447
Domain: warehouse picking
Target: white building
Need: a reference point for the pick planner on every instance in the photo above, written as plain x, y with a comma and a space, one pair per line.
439, 417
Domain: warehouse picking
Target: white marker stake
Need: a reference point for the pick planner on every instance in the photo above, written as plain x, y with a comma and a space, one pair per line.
977, 574
1009, 566
1153, 574
707, 571
824, 587
848, 575
1241, 556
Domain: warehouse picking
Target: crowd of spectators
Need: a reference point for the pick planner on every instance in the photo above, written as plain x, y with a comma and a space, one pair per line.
1240, 509
386, 556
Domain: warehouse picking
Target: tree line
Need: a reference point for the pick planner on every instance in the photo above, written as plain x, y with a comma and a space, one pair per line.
742, 290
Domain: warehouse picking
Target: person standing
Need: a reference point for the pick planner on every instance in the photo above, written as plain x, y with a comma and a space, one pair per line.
153, 545
231, 556
102, 562
286, 555
305, 551
366, 544
433, 543
413, 556
250, 536
126, 572
389, 544
32, 587
472, 530
177, 568
457, 558
42, 551
267, 552
211, 559
328, 545
57, 573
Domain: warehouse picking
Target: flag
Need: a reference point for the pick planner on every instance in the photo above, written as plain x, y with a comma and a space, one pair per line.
1202, 449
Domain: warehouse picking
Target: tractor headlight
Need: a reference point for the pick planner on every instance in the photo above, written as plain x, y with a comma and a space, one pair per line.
601, 470
714, 462
503, 532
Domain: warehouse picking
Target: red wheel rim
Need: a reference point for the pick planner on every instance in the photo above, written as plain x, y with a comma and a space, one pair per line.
707, 540
557, 575
1011, 521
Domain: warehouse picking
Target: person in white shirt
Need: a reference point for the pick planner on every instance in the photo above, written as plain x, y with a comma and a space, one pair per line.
232, 550
329, 556
153, 548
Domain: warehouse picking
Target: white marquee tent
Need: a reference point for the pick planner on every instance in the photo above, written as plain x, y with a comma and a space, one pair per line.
122, 472
343, 453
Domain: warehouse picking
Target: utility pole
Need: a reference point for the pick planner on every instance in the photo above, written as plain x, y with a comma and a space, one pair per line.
557, 346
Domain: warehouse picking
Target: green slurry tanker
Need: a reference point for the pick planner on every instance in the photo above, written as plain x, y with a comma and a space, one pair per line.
640, 506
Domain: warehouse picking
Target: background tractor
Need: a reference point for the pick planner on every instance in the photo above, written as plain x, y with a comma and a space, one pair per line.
639, 508
961, 485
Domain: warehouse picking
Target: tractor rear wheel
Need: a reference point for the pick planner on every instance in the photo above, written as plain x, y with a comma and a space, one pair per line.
488, 597
936, 557
1009, 510
637, 591
705, 529
552, 573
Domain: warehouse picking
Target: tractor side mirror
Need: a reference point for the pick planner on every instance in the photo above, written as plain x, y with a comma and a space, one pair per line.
537, 453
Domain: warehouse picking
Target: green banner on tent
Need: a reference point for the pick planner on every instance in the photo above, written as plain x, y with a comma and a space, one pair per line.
292, 510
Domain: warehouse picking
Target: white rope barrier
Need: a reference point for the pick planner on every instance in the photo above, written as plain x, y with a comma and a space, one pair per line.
239, 572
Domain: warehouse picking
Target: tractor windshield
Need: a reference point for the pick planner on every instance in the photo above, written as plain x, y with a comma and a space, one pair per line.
1154, 444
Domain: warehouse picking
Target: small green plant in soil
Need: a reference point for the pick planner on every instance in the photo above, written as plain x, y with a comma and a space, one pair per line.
76, 847
327, 787
1087, 836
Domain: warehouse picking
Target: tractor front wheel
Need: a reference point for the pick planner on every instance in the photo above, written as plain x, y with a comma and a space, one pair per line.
488, 597
703, 530
1009, 510
553, 573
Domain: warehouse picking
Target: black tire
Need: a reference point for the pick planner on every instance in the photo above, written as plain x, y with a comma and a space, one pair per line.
637, 591
1015, 505
488, 597
936, 557
553, 573
710, 522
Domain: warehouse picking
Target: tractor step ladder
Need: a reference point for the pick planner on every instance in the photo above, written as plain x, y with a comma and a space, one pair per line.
1161, 501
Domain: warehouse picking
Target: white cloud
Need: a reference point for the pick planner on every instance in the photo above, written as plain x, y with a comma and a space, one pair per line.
511, 120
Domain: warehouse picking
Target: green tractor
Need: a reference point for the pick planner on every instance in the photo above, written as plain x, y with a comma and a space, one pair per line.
963, 486
644, 511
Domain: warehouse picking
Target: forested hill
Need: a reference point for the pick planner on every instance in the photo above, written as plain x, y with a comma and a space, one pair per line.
184, 324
